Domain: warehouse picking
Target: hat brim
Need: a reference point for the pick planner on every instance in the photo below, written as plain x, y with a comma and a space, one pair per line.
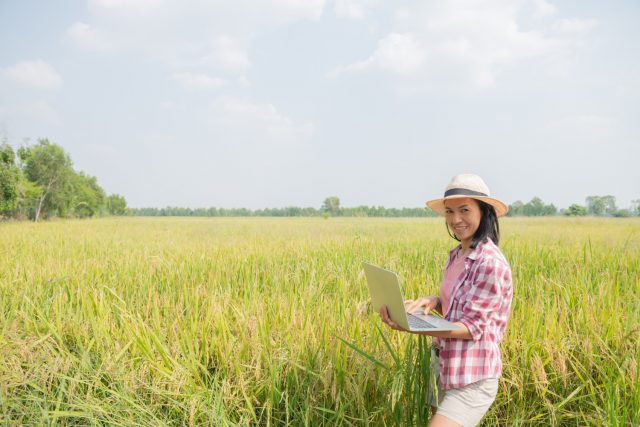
437, 205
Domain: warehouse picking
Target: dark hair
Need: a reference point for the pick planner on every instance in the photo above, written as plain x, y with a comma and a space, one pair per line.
488, 226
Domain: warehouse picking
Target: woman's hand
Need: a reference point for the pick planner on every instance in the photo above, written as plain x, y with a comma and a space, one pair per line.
426, 303
410, 306
384, 313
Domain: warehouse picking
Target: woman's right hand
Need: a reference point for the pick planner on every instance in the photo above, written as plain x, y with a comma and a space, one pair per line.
426, 303
384, 314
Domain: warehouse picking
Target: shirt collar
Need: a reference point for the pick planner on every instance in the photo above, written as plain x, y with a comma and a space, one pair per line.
475, 253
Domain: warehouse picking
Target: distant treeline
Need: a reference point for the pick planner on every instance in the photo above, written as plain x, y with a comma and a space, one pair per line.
38, 181
293, 211
595, 206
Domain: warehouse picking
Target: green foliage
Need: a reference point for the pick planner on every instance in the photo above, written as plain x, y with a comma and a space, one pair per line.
45, 163
331, 205
8, 190
9, 179
622, 213
516, 209
601, 205
49, 167
291, 211
40, 182
411, 380
29, 195
576, 210
535, 207
116, 205
87, 197
7, 156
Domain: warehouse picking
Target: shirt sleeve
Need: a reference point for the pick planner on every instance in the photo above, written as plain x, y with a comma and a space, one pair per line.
485, 297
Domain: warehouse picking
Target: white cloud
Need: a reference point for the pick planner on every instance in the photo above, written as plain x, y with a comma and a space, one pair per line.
199, 81
179, 19
543, 8
352, 9
184, 35
128, 6
263, 121
243, 81
575, 26
125, 3
223, 54
84, 35
37, 74
471, 42
295, 9
230, 54
397, 53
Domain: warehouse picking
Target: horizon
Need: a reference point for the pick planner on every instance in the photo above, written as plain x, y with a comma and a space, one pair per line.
560, 208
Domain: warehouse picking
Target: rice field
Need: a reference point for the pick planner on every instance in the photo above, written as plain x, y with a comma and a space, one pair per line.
264, 321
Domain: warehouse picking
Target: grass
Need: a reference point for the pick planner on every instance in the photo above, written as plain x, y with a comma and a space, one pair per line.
241, 321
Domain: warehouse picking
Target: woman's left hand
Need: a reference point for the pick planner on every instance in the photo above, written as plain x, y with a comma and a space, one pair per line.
384, 314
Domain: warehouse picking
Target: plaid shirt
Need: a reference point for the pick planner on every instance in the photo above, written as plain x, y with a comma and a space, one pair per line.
481, 300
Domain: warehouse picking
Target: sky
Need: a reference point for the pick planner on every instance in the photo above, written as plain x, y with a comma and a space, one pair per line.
274, 103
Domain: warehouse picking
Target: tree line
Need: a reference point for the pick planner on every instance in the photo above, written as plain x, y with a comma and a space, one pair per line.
291, 211
38, 182
594, 206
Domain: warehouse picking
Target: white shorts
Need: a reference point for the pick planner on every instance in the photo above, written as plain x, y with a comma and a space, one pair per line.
465, 405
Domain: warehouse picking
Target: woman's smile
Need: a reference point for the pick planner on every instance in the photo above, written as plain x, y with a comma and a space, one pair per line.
463, 218
461, 231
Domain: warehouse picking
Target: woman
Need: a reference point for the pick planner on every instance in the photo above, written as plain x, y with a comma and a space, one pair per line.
475, 294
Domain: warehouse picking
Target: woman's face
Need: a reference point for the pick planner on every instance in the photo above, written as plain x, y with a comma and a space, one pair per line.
463, 217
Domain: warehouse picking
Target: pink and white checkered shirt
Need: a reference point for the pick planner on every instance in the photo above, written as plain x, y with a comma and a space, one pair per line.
481, 299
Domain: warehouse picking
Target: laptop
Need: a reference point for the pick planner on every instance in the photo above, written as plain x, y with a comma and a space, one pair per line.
384, 288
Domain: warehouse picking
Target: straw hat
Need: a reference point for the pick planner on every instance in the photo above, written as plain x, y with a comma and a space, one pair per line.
468, 185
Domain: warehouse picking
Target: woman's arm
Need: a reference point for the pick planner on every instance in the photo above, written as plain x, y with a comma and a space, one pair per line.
462, 333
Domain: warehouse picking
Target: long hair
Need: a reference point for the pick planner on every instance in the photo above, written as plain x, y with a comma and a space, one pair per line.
488, 226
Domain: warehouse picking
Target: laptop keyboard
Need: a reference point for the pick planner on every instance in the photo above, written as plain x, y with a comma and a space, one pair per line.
417, 323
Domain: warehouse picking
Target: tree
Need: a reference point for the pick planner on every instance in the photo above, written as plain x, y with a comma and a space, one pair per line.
635, 207
534, 208
331, 205
29, 194
601, 205
622, 213
116, 205
609, 205
516, 209
49, 167
86, 197
9, 180
595, 205
38, 181
550, 209
576, 210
